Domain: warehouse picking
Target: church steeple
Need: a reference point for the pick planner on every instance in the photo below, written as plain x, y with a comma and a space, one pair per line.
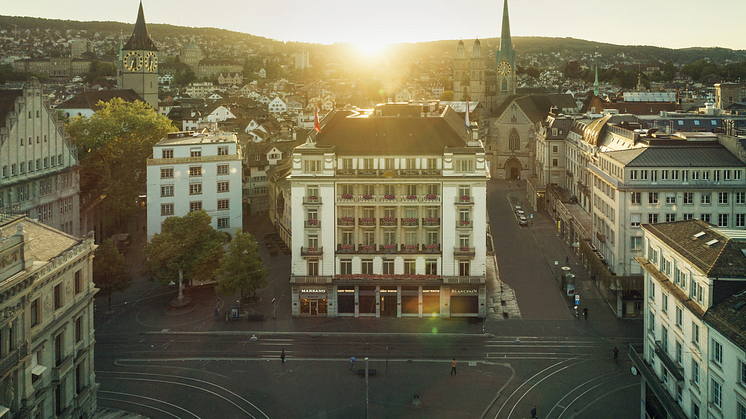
595, 83
140, 40
506, 52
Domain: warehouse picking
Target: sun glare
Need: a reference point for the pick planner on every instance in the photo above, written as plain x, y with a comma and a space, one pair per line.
370, 46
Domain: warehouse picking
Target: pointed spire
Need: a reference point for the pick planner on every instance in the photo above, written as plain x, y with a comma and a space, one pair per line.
595, 83
506, 43
140, 40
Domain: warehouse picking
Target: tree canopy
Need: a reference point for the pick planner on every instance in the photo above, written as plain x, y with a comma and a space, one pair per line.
110, 270
241, 268
113, 146
188, 244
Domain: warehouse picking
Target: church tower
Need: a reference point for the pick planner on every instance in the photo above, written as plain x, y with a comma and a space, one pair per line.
476, 77
139, 63
505, 62
460, 73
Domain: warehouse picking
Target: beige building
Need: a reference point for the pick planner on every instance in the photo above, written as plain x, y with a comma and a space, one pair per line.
46, 326
54, 67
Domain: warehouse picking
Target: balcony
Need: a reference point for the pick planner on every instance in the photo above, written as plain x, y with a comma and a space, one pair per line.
387, 221
430, 222
387, 198
366, 248
312, 251
674, 368
409, 248
464, 224
345, 248
410, 199
13, 359
430, 248
311, 200
345, 197
313, 223
310, 279
463, 251
431, 172
366, 198
387, 248
410, 222
59, 372
368, 222
654, 383
464, 279
431, 198
464, 200
346, 221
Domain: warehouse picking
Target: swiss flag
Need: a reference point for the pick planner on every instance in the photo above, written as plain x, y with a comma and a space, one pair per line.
316, 123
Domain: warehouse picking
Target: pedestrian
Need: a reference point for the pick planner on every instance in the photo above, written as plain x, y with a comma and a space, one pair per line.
352, 363
282, 356
585, 313
533, 412
453, 367
567, 260
616, 355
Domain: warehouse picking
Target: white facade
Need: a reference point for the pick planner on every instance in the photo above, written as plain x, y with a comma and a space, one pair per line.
192, 172
277, 105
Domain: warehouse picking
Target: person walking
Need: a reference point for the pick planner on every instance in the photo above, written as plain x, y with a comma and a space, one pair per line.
453, 367
616, 355
282, 356
567, 260
585, 312
352, 363
533, 412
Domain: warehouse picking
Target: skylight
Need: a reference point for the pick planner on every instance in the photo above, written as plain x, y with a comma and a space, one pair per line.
698, 235
711, 242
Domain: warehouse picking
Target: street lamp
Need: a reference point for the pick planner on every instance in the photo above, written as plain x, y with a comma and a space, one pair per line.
367, 392
273, 309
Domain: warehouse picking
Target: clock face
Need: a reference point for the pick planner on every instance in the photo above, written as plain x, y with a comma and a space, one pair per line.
132, 61
151, 61
503, 68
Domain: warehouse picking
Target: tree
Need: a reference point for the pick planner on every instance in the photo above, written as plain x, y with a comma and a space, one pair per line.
187, 247
446, 95
110, 270
573, 70
533, 72
114, 145
241, 268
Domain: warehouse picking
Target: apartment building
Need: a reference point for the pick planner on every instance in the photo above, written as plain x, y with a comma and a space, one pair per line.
38, 163
389, 216
46, 322
693, 362
193, 172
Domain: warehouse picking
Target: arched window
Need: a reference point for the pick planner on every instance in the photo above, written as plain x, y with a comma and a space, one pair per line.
514, 140
505, 84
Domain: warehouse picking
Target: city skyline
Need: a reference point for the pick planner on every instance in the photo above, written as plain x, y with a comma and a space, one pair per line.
371, 26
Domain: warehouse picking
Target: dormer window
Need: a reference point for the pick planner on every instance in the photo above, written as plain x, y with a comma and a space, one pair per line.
312, 166
223, 151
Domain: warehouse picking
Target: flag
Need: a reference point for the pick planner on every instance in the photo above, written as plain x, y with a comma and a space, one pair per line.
468, 128
316, 123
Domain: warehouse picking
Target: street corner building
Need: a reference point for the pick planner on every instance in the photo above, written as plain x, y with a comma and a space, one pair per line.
389, 215
46, 321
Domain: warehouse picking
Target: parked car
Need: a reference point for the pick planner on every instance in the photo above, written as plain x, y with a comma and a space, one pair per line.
522, 221
517, 208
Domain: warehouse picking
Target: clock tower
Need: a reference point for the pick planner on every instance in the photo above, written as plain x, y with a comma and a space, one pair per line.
139, 63
505, 62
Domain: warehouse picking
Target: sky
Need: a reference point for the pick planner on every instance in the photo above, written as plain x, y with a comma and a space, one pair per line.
371, 24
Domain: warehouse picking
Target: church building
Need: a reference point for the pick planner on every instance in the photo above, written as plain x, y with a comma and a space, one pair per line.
138, 63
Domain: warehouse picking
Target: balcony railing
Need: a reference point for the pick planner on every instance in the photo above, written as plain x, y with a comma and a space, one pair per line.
409, 248
464, 279
464, 199
387, 198
432, 198
62, 369
463, 251
464, 224
13, 358
430, 248
410, 198
387, 221
410, 222
380, 172
366, 198
311, 200
312, 223
430, 221
367, 248
364, 221
312, 251
387, 248
654, 383
346, 221
310, 279
345, 248
345, 197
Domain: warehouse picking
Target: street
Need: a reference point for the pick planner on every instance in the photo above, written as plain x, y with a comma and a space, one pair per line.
162, 363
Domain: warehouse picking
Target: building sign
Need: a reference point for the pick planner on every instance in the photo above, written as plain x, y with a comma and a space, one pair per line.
352, 291
313, 291
430, 291
470, 291
389, 291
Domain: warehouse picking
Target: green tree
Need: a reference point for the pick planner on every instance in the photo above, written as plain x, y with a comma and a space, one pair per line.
110, 270
187, 247
573, 70
114, 145
241, 268
446, 95
533, 72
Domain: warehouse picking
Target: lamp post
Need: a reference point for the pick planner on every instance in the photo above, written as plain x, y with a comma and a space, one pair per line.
273, 309
367, 393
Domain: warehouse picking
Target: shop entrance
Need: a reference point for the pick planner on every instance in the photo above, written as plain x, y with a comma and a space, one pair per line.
312, 306
388, 305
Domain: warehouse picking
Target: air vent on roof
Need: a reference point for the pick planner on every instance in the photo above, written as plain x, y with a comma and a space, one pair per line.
737, 306
698, 235
711, 242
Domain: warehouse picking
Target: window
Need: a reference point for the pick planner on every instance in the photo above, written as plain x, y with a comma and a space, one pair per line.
695, 372
705, 217
740, 220
432, 164
716, 175
555, 148
741, 411
740, 197
706, 198
167, 154
717, 353
223, 151
555, 163
742, 372
464, 268
167, 209
695, 410
722, 220
431, 267
195, 189
688, 198
634, 220
368, 164
167, 190
679, 353
312, 166
411, 163
664, 303
633, 175
722, 197
195, 206
664, 339
635, 243
223, 204
195, 152
717, 394
367, 266
409, 267
388, 267
695, 333
345, 267
654, 176
652, 197
652, 218
670, 217
224, 222
514, 140
464, 165
664, 174
651, 326
78, 280
636, 197
670, 198
35, 315
643, 174
195, 171
313, 267
58, 350
222, 169
79, 329
57, 296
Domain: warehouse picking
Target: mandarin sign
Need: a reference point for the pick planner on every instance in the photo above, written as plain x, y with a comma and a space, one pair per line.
313, 291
